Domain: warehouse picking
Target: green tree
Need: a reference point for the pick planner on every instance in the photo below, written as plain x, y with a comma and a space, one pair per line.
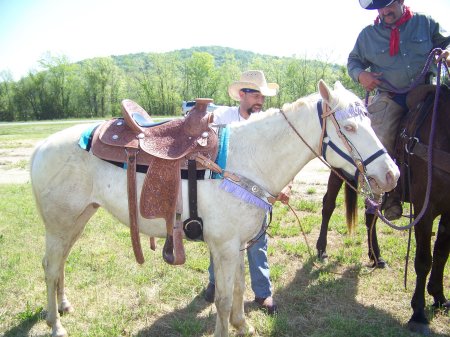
158, 84
200, 76
30, 98
58, 83
7, 89
102, 82
228, 72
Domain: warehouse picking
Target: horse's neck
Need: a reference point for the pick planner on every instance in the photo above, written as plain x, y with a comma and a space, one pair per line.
269, 152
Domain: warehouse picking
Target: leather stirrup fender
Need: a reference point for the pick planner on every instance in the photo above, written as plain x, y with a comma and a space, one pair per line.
132, 204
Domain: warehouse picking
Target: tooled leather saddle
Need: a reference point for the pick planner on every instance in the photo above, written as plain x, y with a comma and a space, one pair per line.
165, 148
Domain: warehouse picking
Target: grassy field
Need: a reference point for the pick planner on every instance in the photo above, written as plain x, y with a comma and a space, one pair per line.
114, 296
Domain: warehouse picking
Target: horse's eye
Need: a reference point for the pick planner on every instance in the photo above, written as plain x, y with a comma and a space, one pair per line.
350, 128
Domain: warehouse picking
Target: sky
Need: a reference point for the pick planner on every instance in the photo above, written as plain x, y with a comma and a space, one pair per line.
82, 29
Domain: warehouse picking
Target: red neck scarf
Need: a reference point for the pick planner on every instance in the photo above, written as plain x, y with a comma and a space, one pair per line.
394, 43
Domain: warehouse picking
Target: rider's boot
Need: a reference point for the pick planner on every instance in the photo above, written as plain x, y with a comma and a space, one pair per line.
392, 206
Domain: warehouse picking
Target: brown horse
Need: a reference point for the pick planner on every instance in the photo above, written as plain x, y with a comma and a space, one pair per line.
415, 145
412, 149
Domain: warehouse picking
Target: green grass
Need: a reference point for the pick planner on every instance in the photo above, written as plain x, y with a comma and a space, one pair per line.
114, 296
30, 132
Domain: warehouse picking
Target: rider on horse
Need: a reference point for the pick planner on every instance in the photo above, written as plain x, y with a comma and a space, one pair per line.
390, 54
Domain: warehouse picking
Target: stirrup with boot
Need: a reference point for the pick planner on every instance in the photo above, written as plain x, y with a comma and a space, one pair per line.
392, 206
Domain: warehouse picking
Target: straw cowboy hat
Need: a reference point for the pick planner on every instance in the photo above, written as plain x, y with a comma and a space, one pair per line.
252, 79
375, 4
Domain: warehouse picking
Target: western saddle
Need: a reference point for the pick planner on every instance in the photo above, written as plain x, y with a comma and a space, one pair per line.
165, 148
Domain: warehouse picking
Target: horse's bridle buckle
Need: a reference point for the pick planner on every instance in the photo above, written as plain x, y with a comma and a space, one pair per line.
409, 146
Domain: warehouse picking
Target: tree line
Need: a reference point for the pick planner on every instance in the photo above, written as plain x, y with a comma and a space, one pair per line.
159, 82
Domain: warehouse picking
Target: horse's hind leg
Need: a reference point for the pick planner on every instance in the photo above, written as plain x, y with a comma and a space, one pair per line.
226, 257
61, 234
422, 264
440, 256
329, 204
237, 318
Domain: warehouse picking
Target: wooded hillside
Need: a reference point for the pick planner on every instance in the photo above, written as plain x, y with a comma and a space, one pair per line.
157, 81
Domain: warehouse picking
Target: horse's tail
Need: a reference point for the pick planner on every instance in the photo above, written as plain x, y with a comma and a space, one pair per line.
351, 209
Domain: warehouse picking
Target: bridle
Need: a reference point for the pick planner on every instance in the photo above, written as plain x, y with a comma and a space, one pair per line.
325, 111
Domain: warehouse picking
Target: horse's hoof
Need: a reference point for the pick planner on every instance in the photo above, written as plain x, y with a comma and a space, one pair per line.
59, 331
442, 306
381, 263
65, 307
246, 330
322, 256
421, 328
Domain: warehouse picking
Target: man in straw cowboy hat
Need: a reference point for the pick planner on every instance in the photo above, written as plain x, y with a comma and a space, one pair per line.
394, 49
251, 91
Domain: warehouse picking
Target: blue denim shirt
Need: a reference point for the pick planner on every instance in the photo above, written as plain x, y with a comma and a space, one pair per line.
418, 36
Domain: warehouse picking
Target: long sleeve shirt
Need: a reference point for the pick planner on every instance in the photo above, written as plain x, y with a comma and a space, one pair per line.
418, 37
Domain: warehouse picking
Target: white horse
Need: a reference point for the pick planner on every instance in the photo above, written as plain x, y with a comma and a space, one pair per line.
70, 184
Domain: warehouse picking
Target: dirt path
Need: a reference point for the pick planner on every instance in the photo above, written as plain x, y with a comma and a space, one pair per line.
14, 164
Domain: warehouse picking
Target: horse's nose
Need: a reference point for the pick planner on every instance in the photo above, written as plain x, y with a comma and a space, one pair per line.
391, 179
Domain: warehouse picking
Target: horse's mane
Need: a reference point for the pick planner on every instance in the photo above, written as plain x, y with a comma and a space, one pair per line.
298, 104
346, 104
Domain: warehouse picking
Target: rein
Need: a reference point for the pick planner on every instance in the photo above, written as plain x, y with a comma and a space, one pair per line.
419, 80
370, 203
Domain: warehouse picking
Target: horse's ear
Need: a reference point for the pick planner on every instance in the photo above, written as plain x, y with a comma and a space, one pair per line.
338, 85
324, 91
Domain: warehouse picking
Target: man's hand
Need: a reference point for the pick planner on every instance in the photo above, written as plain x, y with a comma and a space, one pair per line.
444, 56
285, 194
369, 80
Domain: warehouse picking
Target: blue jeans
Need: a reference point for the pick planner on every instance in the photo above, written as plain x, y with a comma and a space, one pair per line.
258, 266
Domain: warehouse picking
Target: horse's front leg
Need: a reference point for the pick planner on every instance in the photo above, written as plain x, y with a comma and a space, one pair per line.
237, 318
226, 261
440, 256
328, 206
372, 241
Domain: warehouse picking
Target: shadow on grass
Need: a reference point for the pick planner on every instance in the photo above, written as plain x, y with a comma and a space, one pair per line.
182, 322
314, 304
321, 303
24, 327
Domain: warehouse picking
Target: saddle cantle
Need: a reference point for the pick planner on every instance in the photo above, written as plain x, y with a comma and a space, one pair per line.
165, 148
